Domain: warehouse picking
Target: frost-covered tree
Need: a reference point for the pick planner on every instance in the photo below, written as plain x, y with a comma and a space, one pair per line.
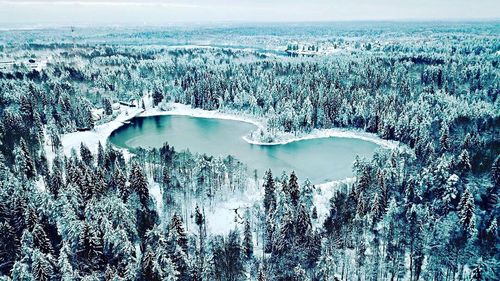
139, 184
466, 212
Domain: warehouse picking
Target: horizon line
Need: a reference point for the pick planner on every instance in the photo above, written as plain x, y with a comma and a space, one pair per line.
33, 25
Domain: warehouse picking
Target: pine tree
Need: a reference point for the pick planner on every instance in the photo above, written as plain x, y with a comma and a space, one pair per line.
41, 240
326, 262
269, 233
31, 217
65, 267
314, 214
165, 177
99, 186
477, 272
180, 260
139, 183
307, 194
90, 248
157, 97
269, 192
89, 119
26, 162
300, 274
284, 185
108, 108
120, 184
100, 155
56, 181
170, 273
293, 186
199, 220
177, 227
148, 266
284, 239
377, 208
86, 155
42, 269
234, 256
444, 139
464, 162
8, 247
466, 211
38, 129
110, 273
247, 239
198, 217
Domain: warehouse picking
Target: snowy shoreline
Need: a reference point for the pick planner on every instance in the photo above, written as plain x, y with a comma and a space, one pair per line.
284, 138
219, 219
102, 132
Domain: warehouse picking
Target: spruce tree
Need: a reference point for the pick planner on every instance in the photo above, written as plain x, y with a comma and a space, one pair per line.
157, 97
293, 187
8, 247
120, 184
108, 108
464, 162
148, 266
89, 119
42, 269
314, 213
199, 220
177, 227
139, 183
466, 211
165, 177
100, 155
56, 181
234, 256
247, 239
269, 192
41, 240
26, 162
444, 139
86, 155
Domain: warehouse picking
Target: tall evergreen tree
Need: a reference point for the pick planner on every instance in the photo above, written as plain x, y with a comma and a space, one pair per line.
269, 192
139, 183
466, 211
86, 155
26, 162
247, 238
100, 155
177, 227
293, 186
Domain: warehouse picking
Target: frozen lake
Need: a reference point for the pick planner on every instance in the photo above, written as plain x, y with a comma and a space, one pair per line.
319, 160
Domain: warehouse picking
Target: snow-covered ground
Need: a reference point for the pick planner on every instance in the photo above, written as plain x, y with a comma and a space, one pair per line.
324, 192
92, 138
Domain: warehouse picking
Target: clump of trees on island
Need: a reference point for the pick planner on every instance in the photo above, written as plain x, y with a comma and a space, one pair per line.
427, 213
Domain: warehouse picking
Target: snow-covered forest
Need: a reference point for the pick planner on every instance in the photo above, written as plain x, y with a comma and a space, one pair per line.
425, 209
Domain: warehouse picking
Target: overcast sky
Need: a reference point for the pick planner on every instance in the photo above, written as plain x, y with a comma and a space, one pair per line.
157, 12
